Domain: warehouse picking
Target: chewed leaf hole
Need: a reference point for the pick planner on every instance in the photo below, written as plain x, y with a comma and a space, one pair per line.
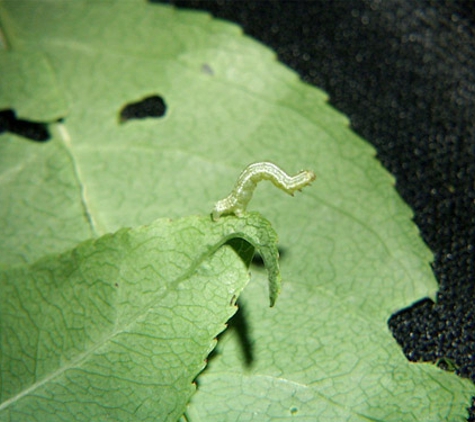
153, 106
35, 131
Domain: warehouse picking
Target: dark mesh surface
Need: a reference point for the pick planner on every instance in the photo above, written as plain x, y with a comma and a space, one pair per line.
404, 72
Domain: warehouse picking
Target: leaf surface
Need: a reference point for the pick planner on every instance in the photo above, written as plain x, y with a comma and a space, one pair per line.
119, 327
350, 253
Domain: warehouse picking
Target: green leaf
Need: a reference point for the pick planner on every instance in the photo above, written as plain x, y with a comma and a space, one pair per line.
29, 86
350, 254
119, 327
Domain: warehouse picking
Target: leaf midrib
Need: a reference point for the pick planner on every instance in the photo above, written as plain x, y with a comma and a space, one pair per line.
76, 362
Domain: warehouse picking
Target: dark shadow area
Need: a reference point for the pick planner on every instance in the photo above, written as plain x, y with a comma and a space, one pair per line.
153, 106
34, 131
239, 322
240, 325
259, 262
244, 249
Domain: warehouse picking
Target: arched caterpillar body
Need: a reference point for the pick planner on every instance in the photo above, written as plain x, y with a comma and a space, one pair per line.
236, 202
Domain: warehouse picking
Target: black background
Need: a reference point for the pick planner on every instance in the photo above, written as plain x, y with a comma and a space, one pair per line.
403, 71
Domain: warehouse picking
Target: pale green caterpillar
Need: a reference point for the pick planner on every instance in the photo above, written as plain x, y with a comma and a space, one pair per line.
236, 202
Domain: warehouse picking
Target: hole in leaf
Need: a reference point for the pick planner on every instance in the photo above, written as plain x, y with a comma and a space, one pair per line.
153, 106
35, 131
411, 327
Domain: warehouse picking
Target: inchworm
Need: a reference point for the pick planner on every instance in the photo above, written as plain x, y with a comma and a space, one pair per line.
236, 202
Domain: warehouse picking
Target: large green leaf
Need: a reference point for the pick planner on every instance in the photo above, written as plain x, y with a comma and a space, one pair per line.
119, 327
351, 255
